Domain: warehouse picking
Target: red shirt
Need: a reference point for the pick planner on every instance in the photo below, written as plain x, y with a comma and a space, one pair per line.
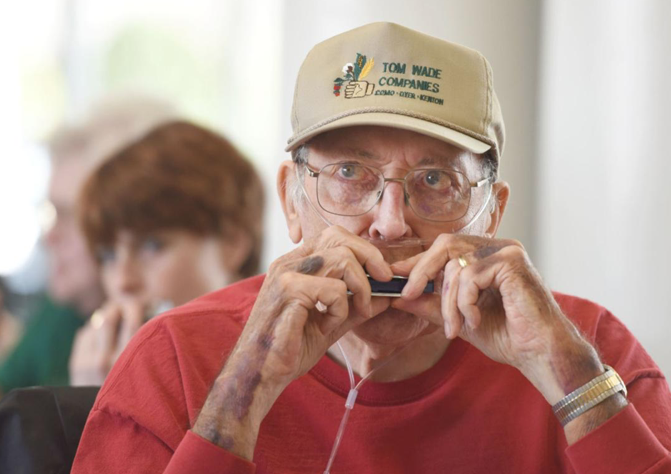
467, 414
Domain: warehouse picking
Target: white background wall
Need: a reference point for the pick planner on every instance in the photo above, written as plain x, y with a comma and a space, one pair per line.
603, 214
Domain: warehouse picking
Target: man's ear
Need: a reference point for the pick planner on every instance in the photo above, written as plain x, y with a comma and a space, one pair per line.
286, 180
499, 201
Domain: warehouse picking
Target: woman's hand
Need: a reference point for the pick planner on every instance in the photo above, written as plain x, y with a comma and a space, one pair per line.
99, 343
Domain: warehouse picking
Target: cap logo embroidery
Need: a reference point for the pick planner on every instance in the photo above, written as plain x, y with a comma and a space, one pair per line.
352, 79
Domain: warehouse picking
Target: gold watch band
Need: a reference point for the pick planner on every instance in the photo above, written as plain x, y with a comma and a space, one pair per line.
589, 395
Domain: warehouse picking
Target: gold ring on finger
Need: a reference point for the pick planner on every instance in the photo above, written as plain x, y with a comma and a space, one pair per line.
97, 319
462, 262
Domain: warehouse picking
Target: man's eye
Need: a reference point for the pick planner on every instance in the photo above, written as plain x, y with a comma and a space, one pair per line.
437, 179
350, 171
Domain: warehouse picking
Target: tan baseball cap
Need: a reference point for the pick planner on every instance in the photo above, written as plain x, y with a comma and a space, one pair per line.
388, 75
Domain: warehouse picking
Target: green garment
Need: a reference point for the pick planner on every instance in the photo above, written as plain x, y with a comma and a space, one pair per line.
42, 355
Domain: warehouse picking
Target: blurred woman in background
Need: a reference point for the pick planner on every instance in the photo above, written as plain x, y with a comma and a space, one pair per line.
42, 354
173, 216
10, 326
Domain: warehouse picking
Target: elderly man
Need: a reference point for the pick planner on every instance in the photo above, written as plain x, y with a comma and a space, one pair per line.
476, 367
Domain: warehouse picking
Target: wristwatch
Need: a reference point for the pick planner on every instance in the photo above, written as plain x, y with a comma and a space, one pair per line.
589, 395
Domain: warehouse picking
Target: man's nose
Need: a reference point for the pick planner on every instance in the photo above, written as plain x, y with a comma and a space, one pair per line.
389, 222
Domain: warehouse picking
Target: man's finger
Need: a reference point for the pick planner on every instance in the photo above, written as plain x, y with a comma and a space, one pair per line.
426, 266
453, 319
333, 297
404, 267
366, 253
466, 249
474, 279
426, 307
300, 295
340, 263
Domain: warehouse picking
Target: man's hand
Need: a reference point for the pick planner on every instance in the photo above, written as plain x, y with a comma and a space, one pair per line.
499, 303
301, 310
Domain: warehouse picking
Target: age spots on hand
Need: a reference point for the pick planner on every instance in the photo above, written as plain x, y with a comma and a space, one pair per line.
311, 265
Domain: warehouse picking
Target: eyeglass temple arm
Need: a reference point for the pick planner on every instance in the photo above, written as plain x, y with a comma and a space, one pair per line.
305, 193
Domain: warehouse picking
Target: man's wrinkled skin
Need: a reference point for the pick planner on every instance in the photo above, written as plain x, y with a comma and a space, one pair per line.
498, 302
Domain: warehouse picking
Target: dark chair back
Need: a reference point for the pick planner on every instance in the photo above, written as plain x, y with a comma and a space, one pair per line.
40, 428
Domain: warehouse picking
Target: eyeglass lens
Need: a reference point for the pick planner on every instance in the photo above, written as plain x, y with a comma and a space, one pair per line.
352, 189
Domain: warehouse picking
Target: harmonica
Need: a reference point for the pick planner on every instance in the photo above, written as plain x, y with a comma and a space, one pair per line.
393, 287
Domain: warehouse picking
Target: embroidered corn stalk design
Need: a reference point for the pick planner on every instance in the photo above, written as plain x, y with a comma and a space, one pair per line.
353, 72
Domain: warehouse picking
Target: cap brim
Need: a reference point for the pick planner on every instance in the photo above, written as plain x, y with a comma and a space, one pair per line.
394, 120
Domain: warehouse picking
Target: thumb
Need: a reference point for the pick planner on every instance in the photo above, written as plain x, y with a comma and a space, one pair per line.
425, 307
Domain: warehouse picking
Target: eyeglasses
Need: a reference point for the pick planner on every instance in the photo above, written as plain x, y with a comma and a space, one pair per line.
352, 189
